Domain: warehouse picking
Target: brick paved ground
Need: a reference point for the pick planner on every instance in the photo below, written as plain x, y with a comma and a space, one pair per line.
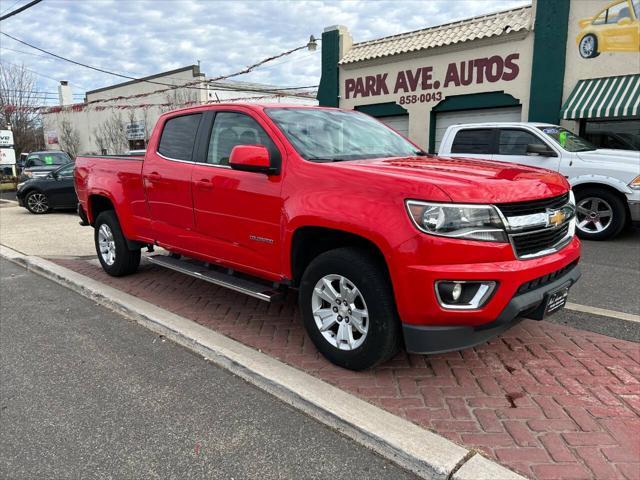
545, 400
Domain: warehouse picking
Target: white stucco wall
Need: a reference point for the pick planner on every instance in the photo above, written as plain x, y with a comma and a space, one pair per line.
439, 59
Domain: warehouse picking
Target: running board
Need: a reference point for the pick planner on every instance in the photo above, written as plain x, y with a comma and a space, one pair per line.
200, 270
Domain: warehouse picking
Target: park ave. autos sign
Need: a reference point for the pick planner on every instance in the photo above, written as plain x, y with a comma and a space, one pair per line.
425, 84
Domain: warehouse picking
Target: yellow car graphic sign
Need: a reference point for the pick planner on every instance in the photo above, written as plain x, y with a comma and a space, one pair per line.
616, 28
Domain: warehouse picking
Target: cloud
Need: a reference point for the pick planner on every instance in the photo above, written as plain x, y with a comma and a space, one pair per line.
143, 37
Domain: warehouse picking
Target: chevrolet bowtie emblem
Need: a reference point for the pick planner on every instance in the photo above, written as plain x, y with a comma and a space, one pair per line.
556, 218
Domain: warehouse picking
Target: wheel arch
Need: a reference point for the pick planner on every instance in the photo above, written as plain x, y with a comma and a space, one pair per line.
97, 204
307, 242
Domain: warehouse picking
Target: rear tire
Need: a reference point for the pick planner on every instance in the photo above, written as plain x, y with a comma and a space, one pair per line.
37, 203
115, 256
336, 327
601, 214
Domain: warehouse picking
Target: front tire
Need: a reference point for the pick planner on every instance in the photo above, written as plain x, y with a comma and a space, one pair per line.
348, 310
588, 46
37, 203
115, 256
600, 214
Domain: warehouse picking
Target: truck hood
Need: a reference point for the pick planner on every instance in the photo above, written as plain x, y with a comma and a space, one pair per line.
629, 158
469, 180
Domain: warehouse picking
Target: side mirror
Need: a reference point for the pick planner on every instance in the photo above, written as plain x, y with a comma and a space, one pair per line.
541, 150
251, 158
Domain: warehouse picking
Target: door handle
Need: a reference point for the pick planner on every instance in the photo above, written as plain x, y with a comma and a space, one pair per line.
154, 177
204, 184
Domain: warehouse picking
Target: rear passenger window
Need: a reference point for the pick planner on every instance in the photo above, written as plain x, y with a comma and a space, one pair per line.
514, 142
477, 141
179, 137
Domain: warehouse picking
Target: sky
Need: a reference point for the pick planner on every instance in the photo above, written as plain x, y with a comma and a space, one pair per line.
144, 37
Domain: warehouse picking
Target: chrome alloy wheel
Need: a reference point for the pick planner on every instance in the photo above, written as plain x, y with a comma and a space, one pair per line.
38, 202
107, 244
340, 312
594, 215
587, 46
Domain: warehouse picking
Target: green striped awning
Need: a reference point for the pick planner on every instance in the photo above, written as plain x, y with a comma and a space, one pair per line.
608, 97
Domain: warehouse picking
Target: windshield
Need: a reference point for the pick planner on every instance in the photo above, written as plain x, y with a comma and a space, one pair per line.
54, 158
335, 135
568, 140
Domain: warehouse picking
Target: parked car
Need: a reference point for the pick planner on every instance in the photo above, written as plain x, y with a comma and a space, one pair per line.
616, 28
606, 182
382, 241
55, 191
40, 164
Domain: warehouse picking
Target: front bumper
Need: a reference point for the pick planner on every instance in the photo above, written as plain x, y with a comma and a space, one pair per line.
439, 339
634, 210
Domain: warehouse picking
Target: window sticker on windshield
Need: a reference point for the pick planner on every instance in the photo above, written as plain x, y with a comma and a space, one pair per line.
550, 131
48, 159
562, 139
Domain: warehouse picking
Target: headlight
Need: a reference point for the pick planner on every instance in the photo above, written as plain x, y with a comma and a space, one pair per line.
635, 183
20, 185
28, 174
469, 222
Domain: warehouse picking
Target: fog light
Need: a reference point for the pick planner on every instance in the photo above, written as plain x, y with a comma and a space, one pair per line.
464, 295
456, 292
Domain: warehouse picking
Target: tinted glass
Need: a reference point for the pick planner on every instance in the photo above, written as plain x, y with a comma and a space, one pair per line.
334, 135
231, 129
179, 136
477, 141
568, 140
33, 162
66, 171
514, 142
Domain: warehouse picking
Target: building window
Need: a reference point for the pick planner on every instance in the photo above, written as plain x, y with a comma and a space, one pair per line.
618, 134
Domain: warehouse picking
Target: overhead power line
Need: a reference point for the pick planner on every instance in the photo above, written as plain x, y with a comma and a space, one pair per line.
21, 9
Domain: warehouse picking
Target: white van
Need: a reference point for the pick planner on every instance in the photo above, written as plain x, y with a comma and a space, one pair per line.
606, 183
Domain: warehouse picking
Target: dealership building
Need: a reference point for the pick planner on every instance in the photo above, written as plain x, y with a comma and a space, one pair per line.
569, 62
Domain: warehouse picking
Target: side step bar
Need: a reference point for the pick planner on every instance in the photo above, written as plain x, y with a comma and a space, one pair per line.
200, 270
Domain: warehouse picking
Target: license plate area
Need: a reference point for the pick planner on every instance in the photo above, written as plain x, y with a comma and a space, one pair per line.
556, 300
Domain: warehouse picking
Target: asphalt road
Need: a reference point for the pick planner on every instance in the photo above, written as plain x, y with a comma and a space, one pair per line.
610, 280
85, 393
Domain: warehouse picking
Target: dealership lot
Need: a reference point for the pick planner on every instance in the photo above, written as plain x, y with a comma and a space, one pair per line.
547, 399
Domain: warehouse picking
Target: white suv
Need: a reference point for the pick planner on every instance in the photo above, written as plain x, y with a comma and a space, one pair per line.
606, 183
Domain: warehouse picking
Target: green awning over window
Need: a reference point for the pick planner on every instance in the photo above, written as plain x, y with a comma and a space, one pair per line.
608, 97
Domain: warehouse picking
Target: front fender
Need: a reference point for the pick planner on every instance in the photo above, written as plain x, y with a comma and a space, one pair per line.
612, 182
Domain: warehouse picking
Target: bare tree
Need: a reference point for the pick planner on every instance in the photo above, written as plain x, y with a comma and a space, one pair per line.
178, 98
19, 100
69, 138
111, 135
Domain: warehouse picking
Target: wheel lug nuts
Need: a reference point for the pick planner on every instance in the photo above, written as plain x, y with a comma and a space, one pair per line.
346, 319
339, 318
335, 309
349, 311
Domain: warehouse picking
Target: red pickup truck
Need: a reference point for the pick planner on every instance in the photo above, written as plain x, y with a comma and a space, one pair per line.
385, 244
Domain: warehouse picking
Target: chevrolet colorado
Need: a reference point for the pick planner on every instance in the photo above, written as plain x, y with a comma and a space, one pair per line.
385, 245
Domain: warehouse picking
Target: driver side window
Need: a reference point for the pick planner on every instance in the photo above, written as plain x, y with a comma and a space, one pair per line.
231, 129
514, 142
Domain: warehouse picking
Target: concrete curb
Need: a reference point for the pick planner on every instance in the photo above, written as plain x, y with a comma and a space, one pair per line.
400, 441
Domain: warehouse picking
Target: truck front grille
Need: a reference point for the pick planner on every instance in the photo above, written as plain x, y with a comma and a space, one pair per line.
533, 206
530, 243
531, 230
